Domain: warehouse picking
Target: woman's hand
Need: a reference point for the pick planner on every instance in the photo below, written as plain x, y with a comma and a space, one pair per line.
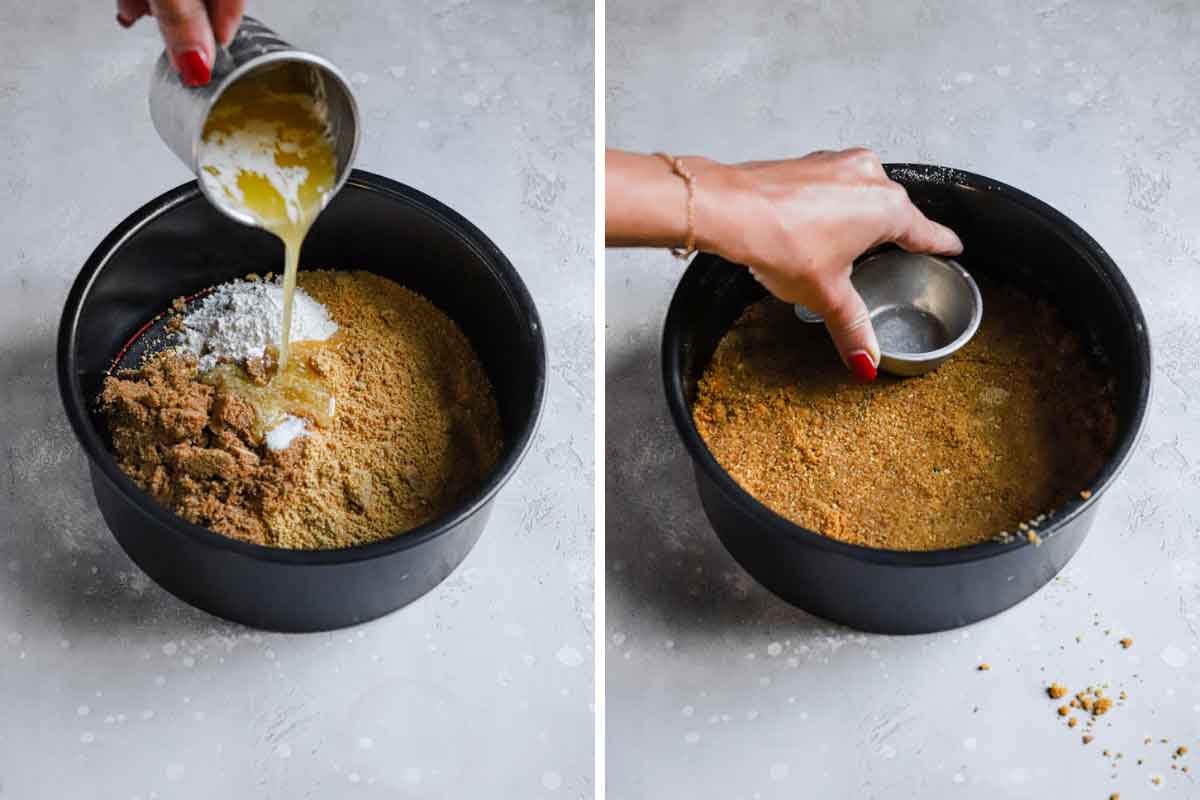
191, 30
797, 224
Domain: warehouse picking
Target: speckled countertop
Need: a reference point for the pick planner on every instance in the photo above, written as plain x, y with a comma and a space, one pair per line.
715, 688
111, 688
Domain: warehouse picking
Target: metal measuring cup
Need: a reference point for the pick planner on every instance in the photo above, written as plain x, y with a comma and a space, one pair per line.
924, 308
179, 112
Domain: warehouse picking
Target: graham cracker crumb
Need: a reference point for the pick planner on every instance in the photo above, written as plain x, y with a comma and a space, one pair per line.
417, 428
1006, 429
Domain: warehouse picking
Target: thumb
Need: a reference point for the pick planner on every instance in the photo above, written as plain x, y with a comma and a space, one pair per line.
849, 324
188, 34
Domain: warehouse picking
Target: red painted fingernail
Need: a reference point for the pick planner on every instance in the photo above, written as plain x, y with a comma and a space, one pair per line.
193, 68
861, 366
124, 21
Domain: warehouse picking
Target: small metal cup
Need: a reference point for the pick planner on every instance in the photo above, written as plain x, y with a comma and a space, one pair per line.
924, 308
180, 112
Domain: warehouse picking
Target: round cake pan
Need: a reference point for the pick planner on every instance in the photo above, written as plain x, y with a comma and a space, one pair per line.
1011, 237
177, 245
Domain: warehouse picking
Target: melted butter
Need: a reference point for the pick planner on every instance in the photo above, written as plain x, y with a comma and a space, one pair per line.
266, 147
297, 389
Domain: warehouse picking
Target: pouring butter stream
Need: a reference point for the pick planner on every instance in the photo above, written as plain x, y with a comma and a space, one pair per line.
267, 150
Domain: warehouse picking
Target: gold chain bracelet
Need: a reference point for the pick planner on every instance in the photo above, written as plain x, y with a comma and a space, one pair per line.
680, 169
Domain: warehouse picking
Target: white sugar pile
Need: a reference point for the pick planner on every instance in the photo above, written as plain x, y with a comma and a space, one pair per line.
240, 318
280, 437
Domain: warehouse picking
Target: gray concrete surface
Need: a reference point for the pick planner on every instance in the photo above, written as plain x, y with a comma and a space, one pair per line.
715, 689
109, 687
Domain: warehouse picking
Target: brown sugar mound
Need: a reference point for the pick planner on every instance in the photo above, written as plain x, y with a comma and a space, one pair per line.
190, 446
1008, 428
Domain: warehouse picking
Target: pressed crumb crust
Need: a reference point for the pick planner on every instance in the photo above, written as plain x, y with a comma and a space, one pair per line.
1010, 427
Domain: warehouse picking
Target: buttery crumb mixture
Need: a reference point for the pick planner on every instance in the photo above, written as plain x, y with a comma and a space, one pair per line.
1010, 427
1086, 711
414, 428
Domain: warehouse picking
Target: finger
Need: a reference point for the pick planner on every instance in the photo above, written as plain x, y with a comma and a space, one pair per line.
130, 11
225, 16
919, 234
189, 37
849, 324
